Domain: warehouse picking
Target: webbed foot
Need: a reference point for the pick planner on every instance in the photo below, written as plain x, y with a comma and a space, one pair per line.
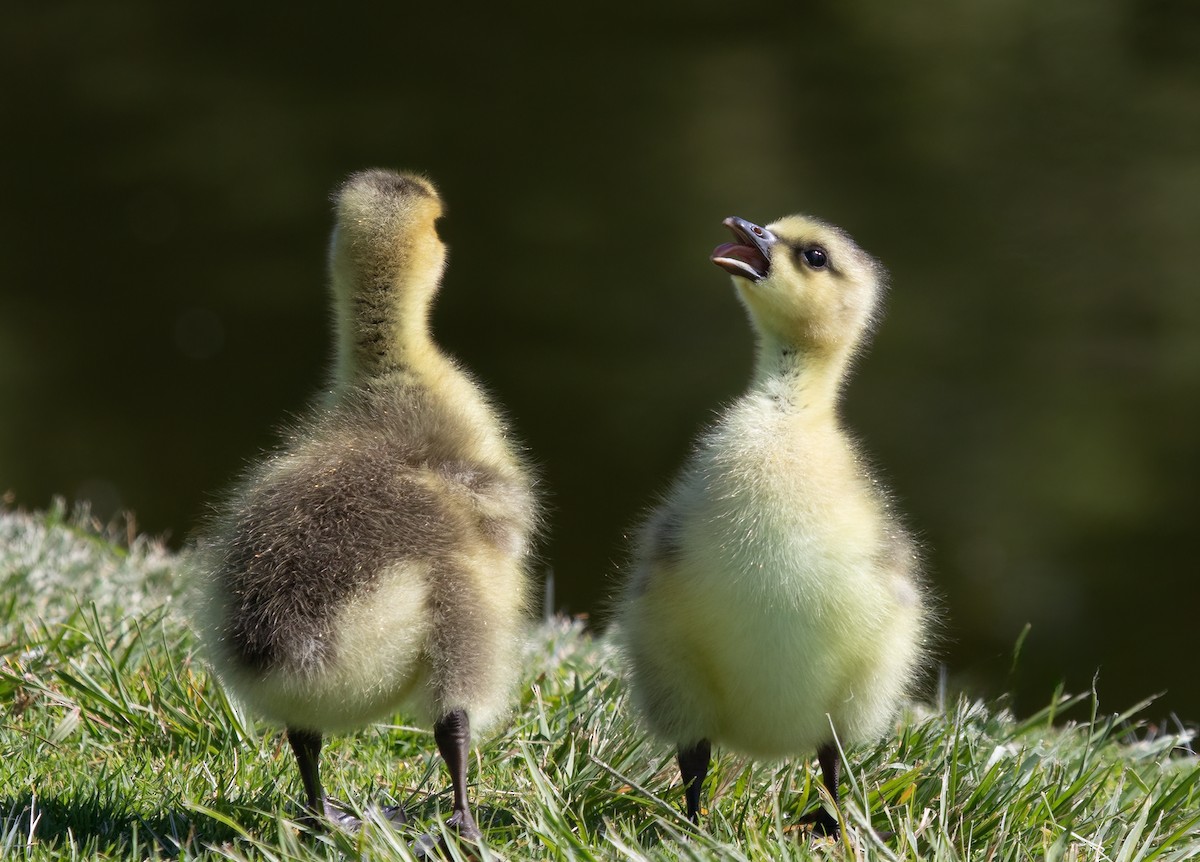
394, 815
822, 823
430, 846
333, 814
464, 824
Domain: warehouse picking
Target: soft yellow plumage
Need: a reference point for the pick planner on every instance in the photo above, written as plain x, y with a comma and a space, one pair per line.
772, 591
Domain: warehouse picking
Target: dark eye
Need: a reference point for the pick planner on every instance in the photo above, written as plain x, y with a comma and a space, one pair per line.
816, 257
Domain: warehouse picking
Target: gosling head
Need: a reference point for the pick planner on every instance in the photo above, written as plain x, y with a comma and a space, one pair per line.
386, 262
805, 283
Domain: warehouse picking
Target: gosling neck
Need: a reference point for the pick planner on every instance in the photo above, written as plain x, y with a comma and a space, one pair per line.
381, 333
799, 378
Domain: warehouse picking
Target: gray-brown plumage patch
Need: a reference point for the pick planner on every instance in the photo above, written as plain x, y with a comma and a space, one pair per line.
458, 651
373, 310
309, 541
385, 182
368, 484
666, 545
497, 505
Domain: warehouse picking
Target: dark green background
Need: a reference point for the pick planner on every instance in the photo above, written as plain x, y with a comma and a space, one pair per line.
1029, 170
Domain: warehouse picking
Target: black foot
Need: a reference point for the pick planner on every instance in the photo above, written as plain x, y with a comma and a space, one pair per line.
426, 845
430, 846
464, 824
394, 815
333, 815
822, 823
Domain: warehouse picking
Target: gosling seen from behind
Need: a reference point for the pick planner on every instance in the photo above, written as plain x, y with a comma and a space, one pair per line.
377, 561
774, 599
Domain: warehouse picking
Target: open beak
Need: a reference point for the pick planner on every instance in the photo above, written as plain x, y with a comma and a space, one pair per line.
748, 257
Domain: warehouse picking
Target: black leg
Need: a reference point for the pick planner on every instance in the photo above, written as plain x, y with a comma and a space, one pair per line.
824, 823
453, 736
693, 768
306, 745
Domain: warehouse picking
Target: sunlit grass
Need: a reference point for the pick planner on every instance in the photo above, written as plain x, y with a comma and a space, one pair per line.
116, 743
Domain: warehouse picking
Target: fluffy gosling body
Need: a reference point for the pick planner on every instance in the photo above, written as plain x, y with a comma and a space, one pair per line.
772, 592
377, 561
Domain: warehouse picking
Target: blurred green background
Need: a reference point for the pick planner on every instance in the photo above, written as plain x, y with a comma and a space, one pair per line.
1029, 171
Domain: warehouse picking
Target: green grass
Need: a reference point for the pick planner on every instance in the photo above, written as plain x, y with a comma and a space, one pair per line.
116, 744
